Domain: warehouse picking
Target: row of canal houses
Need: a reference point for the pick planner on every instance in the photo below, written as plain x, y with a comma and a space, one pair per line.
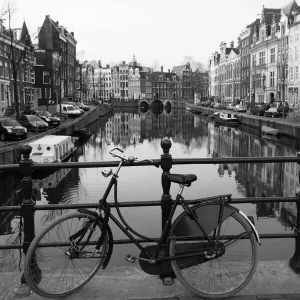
264, 65
132, 81
47, 70
39, 67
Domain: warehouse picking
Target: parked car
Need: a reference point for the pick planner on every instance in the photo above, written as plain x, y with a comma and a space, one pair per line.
277, 109
217, 105
45, 116
82, 106
33, 123
229, 106
11, 128
260, 109
76, 106
240, 108
69, 110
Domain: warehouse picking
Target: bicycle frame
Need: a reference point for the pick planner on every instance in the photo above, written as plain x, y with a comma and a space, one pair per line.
166, 228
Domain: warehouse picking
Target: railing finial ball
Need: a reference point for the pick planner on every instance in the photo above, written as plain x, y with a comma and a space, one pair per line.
166, 145
26, 150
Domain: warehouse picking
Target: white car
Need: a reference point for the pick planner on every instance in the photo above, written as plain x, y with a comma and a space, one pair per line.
230, 106
240, 108
69, 110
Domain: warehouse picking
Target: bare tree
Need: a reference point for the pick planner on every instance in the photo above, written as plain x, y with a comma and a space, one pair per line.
195, 65
16, 52
155, 65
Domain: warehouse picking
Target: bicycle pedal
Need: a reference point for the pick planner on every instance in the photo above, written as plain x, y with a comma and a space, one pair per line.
130, 258
168, 281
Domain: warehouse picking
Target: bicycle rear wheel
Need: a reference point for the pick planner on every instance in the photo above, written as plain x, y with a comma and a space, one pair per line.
52, 269
221, 267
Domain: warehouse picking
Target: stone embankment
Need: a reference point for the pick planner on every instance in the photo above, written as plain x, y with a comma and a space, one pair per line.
10, 153
286, 126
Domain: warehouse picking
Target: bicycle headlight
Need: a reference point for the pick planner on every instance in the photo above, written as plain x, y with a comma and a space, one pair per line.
106, 172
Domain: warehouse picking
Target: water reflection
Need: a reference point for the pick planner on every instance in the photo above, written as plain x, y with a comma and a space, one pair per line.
140, 132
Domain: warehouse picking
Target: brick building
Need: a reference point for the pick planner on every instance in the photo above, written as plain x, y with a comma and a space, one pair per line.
16, 68
58, 46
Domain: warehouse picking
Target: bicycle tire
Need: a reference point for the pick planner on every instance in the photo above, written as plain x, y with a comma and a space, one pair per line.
185, 268
43, 274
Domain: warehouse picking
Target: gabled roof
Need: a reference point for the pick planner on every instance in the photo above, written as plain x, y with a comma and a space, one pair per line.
178, 69
25, 36
287, 9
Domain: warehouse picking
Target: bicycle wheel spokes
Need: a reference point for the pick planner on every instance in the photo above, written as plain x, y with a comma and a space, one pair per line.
56, 268
227, 265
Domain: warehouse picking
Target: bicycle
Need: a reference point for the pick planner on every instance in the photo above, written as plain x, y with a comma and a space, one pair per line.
207, 259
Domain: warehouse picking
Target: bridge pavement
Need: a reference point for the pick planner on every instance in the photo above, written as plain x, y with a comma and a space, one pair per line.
272, 280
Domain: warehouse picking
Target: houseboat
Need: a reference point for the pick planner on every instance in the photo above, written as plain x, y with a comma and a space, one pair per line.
52, 149
225, 118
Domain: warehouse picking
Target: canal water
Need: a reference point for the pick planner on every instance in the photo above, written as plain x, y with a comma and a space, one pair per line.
139, 133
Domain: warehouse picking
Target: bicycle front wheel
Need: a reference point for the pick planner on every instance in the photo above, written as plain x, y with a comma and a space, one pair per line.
53, 268
217, 268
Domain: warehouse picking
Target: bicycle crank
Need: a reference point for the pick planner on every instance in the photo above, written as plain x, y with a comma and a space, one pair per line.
132, 259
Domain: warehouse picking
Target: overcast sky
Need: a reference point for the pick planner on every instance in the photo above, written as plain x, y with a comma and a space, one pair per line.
162, 31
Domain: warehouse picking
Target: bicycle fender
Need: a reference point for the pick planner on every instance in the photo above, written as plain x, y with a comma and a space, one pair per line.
251, 225
110, 236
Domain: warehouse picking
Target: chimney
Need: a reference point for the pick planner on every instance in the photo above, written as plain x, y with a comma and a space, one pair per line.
169, 70
123, 62
57, 23
72, 34
161, 68
232, 44
48, 16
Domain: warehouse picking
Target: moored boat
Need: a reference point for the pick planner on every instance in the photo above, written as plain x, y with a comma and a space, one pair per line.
269, 130
225, 118
52, 148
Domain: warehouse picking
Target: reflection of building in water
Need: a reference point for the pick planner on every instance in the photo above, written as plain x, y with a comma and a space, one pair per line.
52, 180
64, 187
260, 179
123, 129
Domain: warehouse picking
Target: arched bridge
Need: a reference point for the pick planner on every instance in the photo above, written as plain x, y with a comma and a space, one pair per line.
158, 103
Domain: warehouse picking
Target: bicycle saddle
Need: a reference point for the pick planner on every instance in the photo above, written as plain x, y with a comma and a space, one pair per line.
181, 178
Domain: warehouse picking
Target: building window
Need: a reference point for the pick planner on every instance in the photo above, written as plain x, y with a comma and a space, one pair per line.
296, 53
32, 76
47, 93
291, 73
272, 55
253, 61
46, 77
2, 93
296, 72
272, 79
262, 57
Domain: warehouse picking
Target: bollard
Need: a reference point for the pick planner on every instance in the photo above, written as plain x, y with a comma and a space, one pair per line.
166, 273
166, 165
295, 260
27, 206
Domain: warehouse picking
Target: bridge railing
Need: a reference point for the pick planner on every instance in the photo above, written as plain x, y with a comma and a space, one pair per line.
28, 206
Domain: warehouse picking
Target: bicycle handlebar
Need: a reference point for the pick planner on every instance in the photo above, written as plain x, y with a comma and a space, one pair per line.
130, 159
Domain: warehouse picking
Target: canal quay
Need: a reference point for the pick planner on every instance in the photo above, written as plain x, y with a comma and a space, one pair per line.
139, 133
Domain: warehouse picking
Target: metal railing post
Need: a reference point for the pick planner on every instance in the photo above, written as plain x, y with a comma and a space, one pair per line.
166, 165
27, 206
295, 260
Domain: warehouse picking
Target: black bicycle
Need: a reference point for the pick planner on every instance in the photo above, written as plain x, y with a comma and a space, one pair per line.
211, 247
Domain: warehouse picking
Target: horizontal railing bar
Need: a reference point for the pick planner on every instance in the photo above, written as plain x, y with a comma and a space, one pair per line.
189, 161
251, 200
178, 161
128, 241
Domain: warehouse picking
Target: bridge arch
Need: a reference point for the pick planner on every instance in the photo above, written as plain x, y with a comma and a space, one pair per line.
167, 107
144, 103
